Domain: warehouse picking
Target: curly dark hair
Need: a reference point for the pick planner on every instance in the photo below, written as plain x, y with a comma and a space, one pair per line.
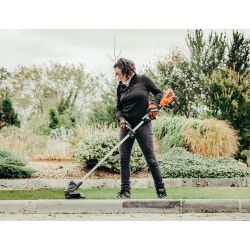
127, 66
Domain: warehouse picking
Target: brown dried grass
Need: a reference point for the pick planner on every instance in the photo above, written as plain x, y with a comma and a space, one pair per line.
21, 141
24, 142
83, 131
212, 138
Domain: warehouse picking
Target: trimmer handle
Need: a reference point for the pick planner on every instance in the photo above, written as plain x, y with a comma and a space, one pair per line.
131, 131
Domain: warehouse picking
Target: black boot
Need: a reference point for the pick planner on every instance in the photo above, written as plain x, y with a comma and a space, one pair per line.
161, 193
123, 194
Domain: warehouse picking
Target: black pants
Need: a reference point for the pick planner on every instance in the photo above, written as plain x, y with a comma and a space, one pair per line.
144, 137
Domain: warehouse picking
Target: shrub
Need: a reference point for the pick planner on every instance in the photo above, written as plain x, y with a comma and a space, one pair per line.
90, 150
38, 123
62, 133
53, 119
10, 171
209, 137
179, 163
212, 138
8, 115
12, 166
13, 158
171, 131
228, 98
245, 154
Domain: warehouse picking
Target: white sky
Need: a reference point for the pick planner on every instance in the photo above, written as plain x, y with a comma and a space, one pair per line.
90, 47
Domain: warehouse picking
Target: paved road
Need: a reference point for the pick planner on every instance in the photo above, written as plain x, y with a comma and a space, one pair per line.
126, 217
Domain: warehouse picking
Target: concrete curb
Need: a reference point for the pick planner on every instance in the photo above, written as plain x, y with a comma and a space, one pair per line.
123, 206
6, 184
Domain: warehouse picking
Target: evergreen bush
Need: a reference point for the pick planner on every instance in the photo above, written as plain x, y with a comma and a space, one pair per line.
179, 163
12, 166
90, 150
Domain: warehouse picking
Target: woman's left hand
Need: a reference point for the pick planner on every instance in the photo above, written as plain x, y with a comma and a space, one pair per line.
152, 111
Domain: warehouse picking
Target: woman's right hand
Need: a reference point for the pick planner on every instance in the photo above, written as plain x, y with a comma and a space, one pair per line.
123, 124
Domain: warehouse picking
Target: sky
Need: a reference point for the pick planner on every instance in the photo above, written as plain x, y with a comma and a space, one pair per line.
90, 47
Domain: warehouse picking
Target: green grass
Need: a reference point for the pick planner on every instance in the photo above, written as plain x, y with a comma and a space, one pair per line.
143, 193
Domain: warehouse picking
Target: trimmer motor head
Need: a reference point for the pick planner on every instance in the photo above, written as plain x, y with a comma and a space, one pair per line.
70, 192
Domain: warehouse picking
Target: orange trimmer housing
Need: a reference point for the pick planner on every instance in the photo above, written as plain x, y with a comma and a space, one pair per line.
167, 98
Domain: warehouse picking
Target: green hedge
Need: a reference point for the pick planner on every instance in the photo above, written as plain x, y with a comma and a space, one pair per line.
12, 166
92, 149
179, 163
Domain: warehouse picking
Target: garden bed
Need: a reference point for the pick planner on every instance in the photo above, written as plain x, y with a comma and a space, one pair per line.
66, 169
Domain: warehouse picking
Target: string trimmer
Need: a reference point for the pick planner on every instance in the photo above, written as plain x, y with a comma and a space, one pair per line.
169, 100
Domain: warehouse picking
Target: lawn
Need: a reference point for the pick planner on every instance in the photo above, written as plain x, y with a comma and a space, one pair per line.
142, 193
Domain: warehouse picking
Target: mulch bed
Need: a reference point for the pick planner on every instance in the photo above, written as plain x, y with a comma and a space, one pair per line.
67, 169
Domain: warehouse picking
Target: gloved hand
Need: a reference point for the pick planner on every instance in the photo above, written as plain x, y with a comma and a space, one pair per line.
123, 124
152, 111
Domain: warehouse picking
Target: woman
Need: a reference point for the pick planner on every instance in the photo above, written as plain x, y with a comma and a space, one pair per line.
132, 104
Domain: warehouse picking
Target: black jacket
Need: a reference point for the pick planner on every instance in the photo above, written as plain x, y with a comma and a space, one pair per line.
132, 101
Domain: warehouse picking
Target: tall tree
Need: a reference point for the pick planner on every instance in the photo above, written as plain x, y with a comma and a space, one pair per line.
30, 88
8, 116
4, 74
239, 53
178, 73
43, 87
206, 54
186, 74
228, 98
